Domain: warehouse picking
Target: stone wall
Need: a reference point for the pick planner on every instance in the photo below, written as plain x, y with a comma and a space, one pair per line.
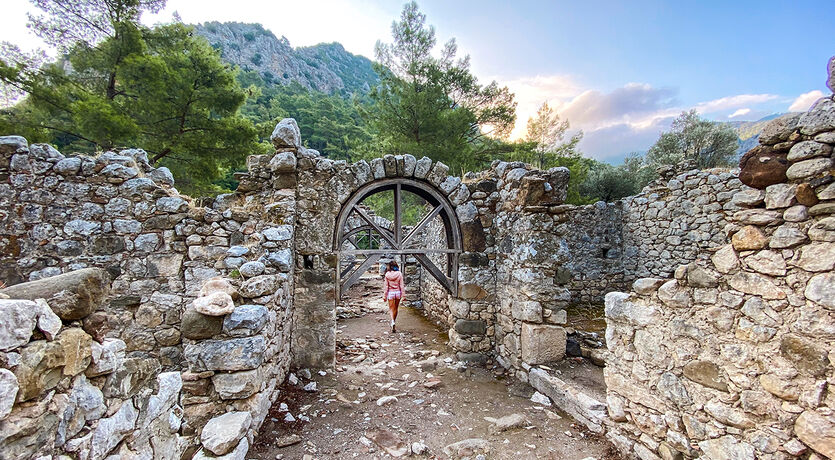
115, 212
733, 357
669, 223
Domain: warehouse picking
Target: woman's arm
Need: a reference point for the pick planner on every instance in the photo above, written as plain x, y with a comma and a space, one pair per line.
385, 288
401, 284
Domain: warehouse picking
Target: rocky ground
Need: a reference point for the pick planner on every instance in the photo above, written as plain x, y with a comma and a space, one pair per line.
401, 394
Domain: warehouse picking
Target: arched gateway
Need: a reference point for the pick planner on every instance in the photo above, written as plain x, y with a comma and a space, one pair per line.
394, 241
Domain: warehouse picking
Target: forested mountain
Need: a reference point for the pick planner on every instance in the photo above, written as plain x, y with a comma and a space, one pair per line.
325, 67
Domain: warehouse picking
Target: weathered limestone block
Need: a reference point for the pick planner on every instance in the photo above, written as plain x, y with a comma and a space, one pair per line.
705, 373
71, 296
111, 430
286, 134
817, 431
222, 433
778, 387
808, 149
378, 170
19, 320
77, 350
226, 355
237, 385
438, 174
238, 453
749, 197
749, 238
283, 162
821, 289
725, 259
816, 257
779, 129
780, 196
806, 355
196, 326
757, 217
823, 230
809, 168
259, 286
674, 295
527, 311
647, 286
726, 448
85, 404
246, 320
752, 283
618, 307
215, 304
542, 343
106, 357
819, 118
8, 392
40, 368
128, 379
787, 236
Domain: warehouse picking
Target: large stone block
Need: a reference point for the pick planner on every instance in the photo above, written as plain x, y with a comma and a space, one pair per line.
542, 343
817, 431
226, 355
71, 296
470, 327
223, 432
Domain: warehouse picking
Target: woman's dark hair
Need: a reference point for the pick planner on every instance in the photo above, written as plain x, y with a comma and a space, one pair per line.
393, 265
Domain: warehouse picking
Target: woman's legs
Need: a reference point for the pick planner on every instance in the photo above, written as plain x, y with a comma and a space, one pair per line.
393, 304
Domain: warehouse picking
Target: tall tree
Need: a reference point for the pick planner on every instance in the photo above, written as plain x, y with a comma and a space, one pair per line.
122, 84
709, 144
547, 133
434, 105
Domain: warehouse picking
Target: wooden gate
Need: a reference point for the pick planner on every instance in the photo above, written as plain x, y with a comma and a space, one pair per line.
394, 242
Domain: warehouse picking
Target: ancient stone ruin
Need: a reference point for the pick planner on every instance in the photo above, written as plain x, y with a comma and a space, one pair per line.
138, 322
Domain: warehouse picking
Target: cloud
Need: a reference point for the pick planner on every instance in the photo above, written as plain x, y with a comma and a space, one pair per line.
805, 100
531, 92
612, 143
740, 112
733, 102
633, 103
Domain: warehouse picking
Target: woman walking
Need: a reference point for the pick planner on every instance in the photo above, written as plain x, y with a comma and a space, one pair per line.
394, 291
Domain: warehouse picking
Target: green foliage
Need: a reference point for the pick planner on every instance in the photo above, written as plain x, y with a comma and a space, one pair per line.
425, 105
707, 143
256, 59
328, 123
607, 183
547, 135
161, 88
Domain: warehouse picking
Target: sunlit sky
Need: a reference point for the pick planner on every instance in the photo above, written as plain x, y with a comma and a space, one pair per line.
618, 70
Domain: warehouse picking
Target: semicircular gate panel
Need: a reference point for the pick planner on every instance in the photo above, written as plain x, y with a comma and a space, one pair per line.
361, 235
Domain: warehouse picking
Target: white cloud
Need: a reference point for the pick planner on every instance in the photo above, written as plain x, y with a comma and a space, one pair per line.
740, 112
733, 102
634, 103
805, 100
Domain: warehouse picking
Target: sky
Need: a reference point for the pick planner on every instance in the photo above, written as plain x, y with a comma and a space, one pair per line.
618, 70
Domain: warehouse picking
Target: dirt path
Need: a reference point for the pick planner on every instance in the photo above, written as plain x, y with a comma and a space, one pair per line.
396, 393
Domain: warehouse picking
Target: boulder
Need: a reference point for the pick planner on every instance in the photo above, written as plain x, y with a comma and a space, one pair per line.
749, 238
705, 373
251, 269
286, 134
71, 296
821, 289
76, 348
819, 118
106, 357
727, 448
110, 431
763, 166
222, 433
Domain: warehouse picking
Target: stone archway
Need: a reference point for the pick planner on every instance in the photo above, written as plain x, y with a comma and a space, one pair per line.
396, 241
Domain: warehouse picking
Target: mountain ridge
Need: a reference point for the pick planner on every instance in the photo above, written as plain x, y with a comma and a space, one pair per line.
325, 67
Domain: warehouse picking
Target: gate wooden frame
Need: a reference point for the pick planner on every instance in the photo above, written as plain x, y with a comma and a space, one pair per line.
399, 242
